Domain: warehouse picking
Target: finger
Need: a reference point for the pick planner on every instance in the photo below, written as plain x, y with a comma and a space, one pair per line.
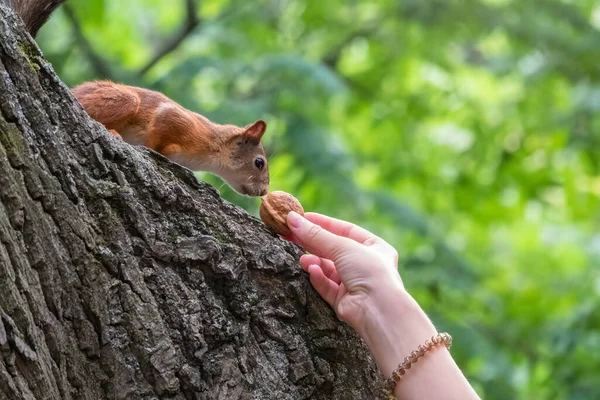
317, 240
309, 259
330, 270
323, 285
326, 265
383, 247
354, 232
341, 228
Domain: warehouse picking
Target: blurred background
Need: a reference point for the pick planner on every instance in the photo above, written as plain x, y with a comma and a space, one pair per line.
466, 133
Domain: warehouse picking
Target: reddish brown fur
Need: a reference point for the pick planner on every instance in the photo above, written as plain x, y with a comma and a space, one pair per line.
108, 103
142, 116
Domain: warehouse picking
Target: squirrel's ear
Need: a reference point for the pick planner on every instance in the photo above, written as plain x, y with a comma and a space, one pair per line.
255, 131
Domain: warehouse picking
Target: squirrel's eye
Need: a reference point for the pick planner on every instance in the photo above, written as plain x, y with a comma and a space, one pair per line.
260, 163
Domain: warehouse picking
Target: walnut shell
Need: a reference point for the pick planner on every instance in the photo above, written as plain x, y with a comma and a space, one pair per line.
274, 210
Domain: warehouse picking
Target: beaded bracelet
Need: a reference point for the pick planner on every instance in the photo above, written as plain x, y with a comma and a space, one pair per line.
396, 376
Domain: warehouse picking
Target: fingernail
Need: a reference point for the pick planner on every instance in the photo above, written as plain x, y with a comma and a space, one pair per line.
294, 220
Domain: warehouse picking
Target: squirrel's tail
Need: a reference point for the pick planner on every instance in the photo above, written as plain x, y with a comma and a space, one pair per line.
34, 13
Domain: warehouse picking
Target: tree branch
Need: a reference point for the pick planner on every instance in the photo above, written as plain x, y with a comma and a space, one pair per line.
100, 66
191, 22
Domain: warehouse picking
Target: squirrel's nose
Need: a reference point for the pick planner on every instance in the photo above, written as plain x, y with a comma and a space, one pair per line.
264, 192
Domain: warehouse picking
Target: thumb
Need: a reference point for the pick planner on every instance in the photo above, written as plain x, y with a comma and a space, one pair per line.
317, 240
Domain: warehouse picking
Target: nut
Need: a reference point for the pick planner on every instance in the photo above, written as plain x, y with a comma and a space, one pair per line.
274, 210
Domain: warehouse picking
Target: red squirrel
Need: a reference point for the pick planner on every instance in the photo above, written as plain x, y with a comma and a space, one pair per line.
145, 117
149, 118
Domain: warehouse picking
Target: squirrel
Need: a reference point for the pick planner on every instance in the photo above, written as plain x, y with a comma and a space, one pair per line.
146, 117
149, 118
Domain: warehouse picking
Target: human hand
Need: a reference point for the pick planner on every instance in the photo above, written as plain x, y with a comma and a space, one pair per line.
356, 273
348, 266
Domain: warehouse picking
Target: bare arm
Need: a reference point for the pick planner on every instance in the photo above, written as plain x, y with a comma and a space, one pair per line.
396, 326
356, 273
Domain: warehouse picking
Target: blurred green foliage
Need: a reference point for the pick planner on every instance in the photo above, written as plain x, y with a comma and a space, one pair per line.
466, 133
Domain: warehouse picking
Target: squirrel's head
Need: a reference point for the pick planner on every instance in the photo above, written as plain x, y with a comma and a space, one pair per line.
248, 171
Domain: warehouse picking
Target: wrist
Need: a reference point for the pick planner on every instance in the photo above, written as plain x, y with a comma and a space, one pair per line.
393, 326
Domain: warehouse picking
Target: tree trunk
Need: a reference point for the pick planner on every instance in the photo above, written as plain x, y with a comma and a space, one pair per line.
122, 277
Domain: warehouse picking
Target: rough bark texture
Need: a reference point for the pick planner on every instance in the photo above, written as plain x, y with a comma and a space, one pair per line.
122, 277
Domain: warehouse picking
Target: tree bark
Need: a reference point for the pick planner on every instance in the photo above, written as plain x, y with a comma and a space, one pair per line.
123, 277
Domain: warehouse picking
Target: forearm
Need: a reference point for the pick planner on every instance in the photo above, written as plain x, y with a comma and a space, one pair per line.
394, 326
